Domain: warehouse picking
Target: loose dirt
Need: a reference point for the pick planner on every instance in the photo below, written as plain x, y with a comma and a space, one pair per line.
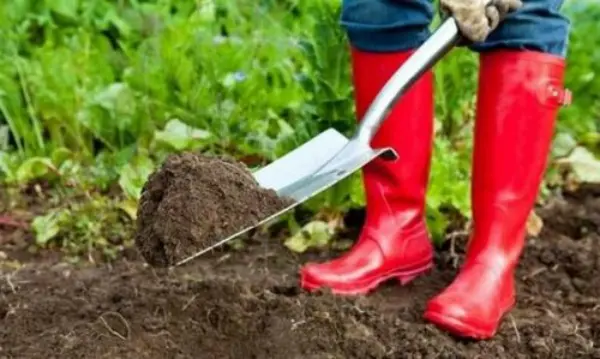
246, 304
193, 201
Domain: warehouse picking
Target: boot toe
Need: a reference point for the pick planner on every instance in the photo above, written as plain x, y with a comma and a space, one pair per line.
339, 281
447, 308
316, 275
456, 316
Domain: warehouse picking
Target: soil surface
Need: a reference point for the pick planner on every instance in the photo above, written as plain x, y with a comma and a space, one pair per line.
246, 304
193, 201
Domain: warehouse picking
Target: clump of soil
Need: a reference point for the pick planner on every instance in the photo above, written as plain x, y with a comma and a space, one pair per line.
193, 201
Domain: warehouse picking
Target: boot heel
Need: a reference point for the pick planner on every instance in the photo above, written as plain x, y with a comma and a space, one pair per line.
409, 276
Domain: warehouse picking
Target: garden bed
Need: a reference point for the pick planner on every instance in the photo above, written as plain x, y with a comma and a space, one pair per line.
247, 304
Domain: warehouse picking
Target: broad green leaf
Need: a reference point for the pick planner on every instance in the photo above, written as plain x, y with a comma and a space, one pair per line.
123, 26
563, 144
315, 234
207, 10
112, 96
67, 9
129, 206
179, 135
357, 192
48, 226
285, 129
134, 175
60, 155
4, 137
591, 141
33, 168
437, 224
584, 165
591, 138
7, 166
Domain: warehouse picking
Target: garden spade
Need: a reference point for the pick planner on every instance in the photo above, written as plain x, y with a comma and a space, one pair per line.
330, 157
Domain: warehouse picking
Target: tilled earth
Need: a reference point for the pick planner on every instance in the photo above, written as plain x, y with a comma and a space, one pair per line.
246, 304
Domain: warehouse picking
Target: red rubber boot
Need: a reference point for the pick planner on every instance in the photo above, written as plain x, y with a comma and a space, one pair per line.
519, 96
394, 242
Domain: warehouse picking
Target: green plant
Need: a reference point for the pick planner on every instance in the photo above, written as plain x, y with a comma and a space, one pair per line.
95, 93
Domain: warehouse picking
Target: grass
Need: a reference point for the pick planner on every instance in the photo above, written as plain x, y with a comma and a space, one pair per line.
94, 94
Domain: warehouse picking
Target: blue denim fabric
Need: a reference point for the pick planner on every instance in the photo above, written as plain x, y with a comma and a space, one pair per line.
398, 25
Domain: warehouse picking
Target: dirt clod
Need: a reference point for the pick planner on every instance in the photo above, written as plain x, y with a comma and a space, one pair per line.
193, 201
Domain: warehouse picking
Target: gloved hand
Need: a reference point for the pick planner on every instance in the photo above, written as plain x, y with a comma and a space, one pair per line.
477, 18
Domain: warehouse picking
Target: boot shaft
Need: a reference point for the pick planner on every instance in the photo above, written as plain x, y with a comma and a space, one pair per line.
519, 95
398, 186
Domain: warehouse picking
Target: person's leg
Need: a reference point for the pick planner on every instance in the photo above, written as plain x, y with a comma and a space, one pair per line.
394, 242
520, 92
386, 25
538, 26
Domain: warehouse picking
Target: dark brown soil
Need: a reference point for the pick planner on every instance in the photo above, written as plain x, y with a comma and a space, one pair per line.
246, 304
193, 201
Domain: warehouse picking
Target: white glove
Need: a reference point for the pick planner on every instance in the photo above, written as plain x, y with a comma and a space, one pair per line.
476, 19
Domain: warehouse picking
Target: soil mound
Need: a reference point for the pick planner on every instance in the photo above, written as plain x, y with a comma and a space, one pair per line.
193, 201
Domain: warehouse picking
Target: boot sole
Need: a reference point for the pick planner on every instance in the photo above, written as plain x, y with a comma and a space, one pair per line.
457, 327
462, 329
404, 277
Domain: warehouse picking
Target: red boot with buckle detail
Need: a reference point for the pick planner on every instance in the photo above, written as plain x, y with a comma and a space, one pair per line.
519, 96
394, 242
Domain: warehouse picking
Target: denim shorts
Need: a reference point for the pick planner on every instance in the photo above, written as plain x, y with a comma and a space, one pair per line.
398, 25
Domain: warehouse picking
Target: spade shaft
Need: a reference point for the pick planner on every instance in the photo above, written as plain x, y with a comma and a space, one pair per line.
423, 59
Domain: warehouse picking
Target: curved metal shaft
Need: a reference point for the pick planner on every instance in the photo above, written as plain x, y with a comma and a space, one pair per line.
438, 44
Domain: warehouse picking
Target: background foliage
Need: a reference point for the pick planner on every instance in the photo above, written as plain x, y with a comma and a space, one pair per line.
95, 93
